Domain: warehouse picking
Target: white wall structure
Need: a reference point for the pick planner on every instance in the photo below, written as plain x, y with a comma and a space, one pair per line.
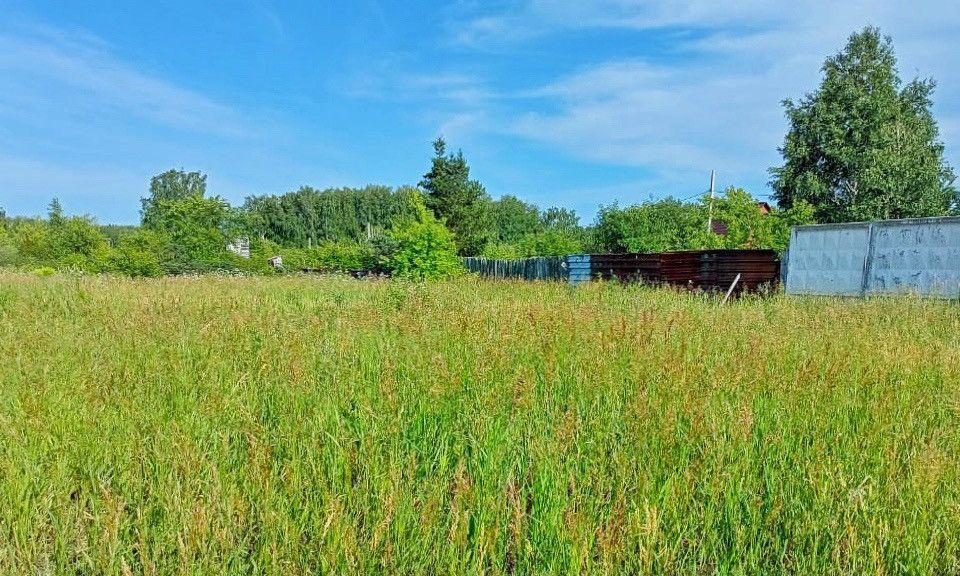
240, 247
827, 259
914, 256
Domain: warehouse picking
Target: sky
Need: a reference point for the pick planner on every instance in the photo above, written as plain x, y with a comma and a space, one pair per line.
576, 103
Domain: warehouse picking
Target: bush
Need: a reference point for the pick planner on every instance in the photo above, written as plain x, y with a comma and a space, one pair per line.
141, 253
501, 251
31, 239
550, 242
341, 256
45, 271
8, 252
425, 248
76, 238
8, 255
382, 249
555, 242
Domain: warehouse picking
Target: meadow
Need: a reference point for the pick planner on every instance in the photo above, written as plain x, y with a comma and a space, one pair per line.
301, 425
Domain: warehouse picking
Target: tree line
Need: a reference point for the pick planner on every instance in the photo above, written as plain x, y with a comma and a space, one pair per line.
863, 146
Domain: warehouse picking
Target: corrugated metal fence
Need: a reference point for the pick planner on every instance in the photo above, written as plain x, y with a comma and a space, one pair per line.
920, 255
702, 269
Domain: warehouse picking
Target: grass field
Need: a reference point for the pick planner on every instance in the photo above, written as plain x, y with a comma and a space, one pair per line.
331, 426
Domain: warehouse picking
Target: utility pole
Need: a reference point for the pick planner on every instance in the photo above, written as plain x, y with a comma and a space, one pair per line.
713, 173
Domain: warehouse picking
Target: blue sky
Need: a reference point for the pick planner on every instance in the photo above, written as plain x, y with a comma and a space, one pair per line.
570, 103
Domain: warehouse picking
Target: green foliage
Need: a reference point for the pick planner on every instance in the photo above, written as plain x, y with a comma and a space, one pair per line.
560, 219
76, 235
31, 239
381, 248
658, 226
502, 251
55, 212
551, 242
522, 231
513, 219
141, 253
330, 256
194, 226
8, 255
115, 232
862, 148
73, 242
8, 252
457, 200
425, 248
170, 187
669, 225
336, 256
308, 216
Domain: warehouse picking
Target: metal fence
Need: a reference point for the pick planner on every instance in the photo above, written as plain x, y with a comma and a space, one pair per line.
709, 270
700, 269
543, 268
920, 256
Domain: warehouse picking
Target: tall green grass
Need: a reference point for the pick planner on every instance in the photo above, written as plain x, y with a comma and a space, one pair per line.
329, 426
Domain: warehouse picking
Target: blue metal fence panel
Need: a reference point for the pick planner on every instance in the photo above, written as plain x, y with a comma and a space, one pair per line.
542, 268
578, 268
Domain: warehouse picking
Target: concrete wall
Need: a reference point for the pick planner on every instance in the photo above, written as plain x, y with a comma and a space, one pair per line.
920, 256
827, 259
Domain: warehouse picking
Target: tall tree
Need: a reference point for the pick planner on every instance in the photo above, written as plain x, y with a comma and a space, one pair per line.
663, 225
172, 185
513, 218
310, 216
861, 147
194, 225
455, 198
560, 219
55, 212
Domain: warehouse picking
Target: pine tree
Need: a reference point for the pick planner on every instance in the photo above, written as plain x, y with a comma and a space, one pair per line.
55, 212
461, 202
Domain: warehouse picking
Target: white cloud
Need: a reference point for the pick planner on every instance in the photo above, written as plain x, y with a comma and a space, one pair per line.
41, 66
82, 124
714, 100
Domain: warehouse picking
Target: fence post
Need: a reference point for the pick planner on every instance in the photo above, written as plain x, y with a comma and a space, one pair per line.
868, 261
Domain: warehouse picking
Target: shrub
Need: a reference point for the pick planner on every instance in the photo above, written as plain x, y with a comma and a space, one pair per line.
140, 253
31, 239
555, 242
382, 248
8, 255
425, 248
76, 238
501, 251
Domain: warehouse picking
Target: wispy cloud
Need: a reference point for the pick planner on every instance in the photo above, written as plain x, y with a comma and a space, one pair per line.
712, 101
53, 63
83, 124
523, 20
93, 78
